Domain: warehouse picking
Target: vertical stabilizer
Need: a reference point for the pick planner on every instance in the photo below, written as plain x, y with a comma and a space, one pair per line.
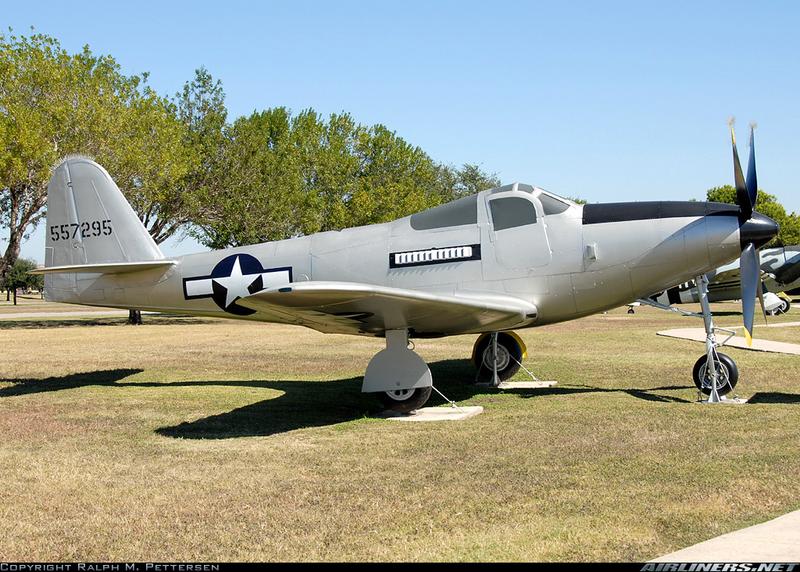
89, 221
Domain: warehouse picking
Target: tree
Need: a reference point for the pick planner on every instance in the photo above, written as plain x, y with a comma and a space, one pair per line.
268, 176
18, 276
148, 160
468, 180
394, 179
766, 204
260, 184
200, 109
154, 163
27, 70
53, 103
329, 168
283, 176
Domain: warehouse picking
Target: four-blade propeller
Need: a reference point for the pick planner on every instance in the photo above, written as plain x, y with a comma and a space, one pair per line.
746, 197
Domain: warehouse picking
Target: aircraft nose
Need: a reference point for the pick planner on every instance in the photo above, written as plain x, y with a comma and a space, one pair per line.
758, 229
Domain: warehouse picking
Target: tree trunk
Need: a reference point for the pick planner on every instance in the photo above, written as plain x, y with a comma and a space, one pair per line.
14, 234
25, 205
10, 256
8, 260
135, 317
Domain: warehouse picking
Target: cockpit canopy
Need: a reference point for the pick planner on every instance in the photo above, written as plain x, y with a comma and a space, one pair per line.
506, 211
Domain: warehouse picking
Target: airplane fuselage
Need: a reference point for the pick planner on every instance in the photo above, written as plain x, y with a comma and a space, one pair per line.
565, 259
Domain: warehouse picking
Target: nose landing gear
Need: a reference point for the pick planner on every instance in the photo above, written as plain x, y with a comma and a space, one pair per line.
715, 374
727, 374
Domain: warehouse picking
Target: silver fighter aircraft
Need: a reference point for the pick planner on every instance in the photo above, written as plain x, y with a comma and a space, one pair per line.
507, 258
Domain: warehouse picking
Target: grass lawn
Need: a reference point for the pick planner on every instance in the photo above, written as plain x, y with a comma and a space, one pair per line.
190, 439
33, 302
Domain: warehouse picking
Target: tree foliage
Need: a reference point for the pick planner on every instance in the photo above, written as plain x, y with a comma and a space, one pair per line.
182, 165
52, 104
287, 175
19, 276
200, 109
766, 204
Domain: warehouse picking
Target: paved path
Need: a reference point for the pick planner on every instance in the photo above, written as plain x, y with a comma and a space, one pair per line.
776, 540
759, 345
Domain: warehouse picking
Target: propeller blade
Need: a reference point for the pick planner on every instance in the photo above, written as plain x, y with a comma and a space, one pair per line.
742, 195
761, 300
750, 278
752, 182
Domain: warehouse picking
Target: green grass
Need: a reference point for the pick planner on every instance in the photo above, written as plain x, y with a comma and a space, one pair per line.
190, 439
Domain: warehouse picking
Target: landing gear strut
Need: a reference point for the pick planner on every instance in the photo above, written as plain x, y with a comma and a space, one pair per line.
782, 309
498, 356
399, 377
715, 374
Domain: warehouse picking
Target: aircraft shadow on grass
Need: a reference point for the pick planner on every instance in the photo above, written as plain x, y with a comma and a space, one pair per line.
22, 386
46, 324
306, 404
774, 397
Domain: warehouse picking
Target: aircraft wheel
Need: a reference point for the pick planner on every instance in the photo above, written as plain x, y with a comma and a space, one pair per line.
509, 355
782, 309
631, 311
405, 400
727, 375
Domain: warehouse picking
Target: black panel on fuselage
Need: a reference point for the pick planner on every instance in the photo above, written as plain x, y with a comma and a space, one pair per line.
619, 212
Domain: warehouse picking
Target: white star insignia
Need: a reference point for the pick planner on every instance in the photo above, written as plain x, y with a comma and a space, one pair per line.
236, 285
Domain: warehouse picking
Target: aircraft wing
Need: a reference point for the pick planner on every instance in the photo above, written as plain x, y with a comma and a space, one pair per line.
353, 308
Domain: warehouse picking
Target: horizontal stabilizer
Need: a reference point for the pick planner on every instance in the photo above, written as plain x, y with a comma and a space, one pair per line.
111, 268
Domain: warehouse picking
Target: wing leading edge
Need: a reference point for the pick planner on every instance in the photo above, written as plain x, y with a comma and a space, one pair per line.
354, 308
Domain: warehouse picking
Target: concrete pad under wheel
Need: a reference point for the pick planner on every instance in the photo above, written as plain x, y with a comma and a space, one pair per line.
434, 414
726, 401
526, 384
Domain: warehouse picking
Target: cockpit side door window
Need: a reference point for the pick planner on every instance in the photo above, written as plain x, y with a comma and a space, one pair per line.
515, 241
511, 212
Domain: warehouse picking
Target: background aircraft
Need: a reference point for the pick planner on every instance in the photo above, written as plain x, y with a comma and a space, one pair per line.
780, 269
510, 257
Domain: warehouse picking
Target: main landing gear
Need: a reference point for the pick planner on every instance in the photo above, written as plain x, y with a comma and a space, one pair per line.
399, 377
715, 374
498, 355
402, 380
782, 309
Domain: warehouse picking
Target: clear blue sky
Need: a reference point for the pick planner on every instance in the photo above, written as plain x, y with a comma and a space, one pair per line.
606, 101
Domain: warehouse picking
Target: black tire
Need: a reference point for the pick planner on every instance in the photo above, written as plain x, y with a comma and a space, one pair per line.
507, 348
405, 401
631, 311
727, 372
